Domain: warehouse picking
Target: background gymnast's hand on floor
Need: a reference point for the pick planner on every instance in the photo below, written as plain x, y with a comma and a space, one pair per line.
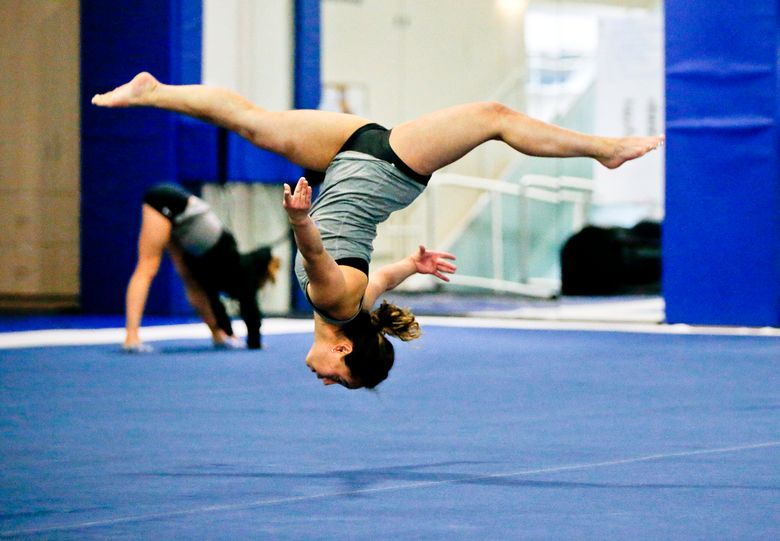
434, 263
138, 347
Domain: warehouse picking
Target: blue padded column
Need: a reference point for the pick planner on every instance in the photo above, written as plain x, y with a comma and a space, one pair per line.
307, 54
126, 151
308, 86
721, 248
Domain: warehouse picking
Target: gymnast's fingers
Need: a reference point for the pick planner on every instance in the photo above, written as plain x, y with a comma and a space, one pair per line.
441, 276
443, 255
446, 266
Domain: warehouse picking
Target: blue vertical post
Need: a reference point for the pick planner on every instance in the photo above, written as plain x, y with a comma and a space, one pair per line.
307, 54
721, 248
126, 151
307, 82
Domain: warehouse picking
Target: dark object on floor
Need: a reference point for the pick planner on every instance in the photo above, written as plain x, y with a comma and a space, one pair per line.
611, 261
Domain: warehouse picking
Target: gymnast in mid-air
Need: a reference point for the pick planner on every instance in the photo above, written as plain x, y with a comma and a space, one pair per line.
370, 172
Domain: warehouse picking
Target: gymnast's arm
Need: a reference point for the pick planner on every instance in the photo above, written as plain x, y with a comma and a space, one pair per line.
391, 276
137, 293
199, 297
332, 287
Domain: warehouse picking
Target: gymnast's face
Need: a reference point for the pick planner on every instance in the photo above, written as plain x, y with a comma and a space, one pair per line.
327, 361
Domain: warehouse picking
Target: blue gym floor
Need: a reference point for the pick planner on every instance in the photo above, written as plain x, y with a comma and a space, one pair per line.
479, 433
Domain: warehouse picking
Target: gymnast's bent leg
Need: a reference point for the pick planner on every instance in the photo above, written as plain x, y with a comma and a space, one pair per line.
442, 137
312, 138
308, 138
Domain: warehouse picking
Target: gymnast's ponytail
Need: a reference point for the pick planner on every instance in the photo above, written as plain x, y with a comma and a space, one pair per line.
395, 321
372, 354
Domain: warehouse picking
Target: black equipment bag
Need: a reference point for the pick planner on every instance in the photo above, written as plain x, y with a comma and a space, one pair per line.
611, 261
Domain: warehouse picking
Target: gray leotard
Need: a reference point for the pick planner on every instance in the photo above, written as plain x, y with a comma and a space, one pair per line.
194, 224
359, 192
197, 228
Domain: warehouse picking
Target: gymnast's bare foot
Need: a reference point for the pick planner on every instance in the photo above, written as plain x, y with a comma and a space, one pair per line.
624, 149
129, 94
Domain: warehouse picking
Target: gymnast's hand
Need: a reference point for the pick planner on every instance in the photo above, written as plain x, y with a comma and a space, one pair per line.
433, 263
297, 204
136, 347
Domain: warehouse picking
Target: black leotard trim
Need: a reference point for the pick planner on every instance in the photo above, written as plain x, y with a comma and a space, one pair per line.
354, 262
374, 140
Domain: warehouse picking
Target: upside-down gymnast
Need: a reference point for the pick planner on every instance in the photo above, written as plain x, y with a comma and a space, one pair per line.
370, 172
206, 257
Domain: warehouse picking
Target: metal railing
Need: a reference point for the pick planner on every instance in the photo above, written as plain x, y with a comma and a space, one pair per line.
572, 191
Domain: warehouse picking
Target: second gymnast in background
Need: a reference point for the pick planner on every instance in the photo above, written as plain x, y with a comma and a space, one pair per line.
206, 258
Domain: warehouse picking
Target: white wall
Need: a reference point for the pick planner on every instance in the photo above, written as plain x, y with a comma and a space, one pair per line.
413, 57
248, 47
409, 58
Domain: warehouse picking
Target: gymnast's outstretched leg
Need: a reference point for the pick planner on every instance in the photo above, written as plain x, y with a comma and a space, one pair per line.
442, 137
312, 138
308, 138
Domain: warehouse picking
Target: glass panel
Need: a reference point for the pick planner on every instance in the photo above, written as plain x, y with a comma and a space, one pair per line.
590, 66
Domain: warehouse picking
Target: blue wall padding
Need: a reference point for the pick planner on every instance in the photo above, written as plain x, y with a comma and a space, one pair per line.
196, 141
308, 86
126, 151
187, 40
721, 249
307, 54
197, 149
247, 163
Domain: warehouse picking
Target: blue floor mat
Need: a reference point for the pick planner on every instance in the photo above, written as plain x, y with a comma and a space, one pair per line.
34, 322
477, 434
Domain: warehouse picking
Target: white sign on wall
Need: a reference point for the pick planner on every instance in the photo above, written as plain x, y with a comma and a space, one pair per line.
630, 102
